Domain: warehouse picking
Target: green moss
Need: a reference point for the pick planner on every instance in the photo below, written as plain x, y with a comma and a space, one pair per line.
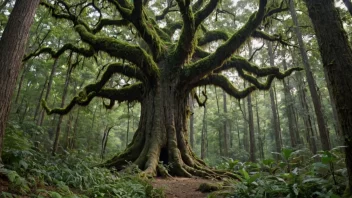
209, 187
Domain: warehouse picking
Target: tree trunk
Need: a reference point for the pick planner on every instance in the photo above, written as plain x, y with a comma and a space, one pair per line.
251, 130
273, 106
260, 141
323, 131
48, 89
64, 94
221, 149
289, 106
128, 124
245, 128
162, 134
203, 147
226, 127
20, 83
12, 48
191, 122
337, 60
40, 99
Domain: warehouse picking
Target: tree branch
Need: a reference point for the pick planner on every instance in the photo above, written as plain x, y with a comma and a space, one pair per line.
186, 44
130, 93
56, 54
201, 15
223, 82
240, 63
120, 49
206, 65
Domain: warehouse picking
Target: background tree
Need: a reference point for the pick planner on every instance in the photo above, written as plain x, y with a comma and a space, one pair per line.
12, 48
336, 54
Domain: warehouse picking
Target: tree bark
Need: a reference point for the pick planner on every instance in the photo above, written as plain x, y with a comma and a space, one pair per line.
203, 147
64, 94
191, 122
251, 130
48, 89
12, 48
323, 131
289, 106
40, 99
226, 127
275, 119
336, 54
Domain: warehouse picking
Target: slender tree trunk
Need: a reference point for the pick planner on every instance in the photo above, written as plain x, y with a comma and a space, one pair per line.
203, 149
48, 89
245, 128
39, 101
275, 119
12, 48
277, 113
288, 107
219, 130
75, 129
128, 124
226, 127
337, 60
64, 94
20, 83
251, 129
260, 141
323, 131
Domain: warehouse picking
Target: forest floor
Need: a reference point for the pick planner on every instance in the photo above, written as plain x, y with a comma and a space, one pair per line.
177, 187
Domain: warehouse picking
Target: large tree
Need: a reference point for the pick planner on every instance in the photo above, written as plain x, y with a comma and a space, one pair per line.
336, 54
12, 48
166, 69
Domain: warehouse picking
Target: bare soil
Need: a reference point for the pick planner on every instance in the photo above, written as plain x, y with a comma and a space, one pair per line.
178, 187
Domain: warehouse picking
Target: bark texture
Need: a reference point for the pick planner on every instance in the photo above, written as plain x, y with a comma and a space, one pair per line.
336, 54
323, 130
12, 48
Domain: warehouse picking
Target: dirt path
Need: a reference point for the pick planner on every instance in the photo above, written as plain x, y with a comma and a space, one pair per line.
181, 187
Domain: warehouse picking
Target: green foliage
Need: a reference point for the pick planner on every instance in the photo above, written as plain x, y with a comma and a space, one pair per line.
30, 172
294, 176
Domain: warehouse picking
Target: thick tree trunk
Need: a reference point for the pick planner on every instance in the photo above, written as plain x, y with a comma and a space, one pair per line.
162, 134
323, 131
337, 59
12, 48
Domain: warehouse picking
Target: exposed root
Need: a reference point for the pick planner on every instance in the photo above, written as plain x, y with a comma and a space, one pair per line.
162, 171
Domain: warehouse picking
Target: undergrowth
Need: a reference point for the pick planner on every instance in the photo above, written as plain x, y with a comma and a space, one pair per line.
33, 173
296, 174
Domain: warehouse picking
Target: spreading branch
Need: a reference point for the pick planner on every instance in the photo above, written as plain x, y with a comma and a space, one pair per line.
120, 49
206, 65
56, 54
223, 82
130, 93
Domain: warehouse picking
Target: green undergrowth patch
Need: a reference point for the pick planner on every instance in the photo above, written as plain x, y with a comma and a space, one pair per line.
297, 173
31, 173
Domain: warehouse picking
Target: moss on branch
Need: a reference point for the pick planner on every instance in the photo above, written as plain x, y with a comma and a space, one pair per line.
201, 15
109, 22
56, 54
120, 49
222, 82
129, 93
240, 63
211, 36
268, 37
206, 65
